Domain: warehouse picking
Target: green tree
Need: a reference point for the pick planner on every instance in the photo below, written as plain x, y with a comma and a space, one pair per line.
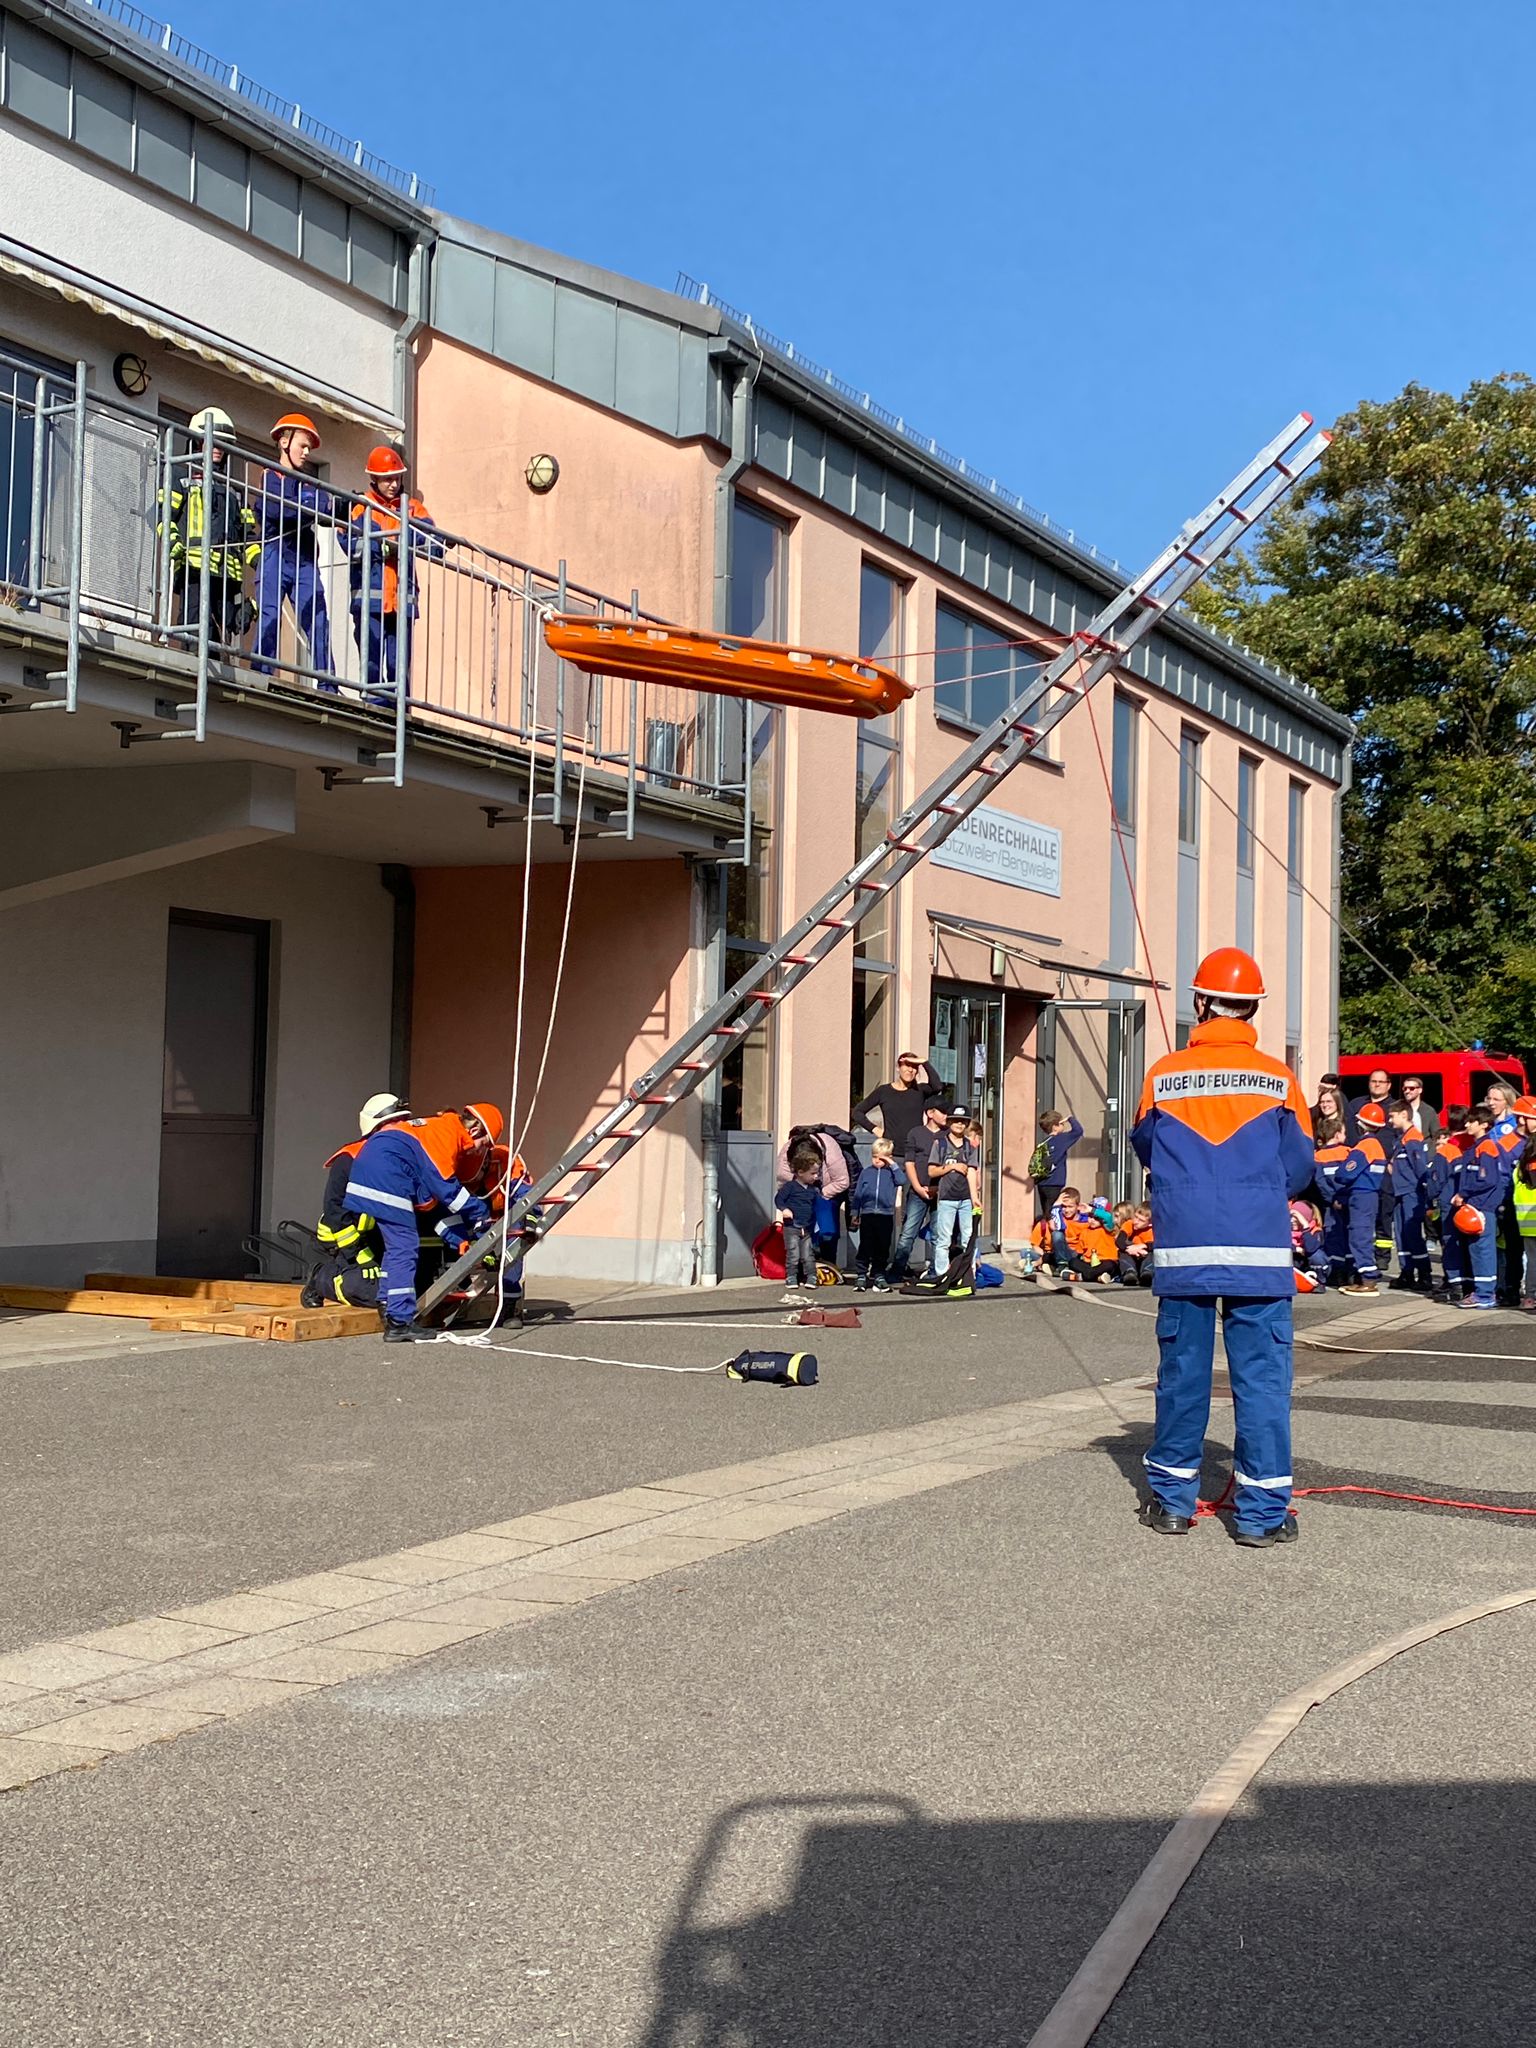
1401, 584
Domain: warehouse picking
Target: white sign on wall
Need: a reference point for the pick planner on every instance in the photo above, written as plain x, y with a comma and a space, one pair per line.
1002, 848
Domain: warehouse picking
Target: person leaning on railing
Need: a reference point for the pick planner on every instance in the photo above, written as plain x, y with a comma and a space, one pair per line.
373, 543
212, 533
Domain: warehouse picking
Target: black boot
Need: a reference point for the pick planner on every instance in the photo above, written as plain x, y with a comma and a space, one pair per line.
409, 1333
1264, 1539
1155, 1516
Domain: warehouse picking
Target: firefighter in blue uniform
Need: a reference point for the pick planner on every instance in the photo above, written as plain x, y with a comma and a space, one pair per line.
392, 1176
1357, 1193
1226, 1137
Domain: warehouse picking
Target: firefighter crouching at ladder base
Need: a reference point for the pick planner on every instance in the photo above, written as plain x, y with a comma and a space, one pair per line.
373, 542
352, 1247
213, 542
1225, 1134
394, 1175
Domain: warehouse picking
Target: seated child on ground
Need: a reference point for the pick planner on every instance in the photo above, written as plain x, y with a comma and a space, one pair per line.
1133, 1244
1307, 1249
1073, 1243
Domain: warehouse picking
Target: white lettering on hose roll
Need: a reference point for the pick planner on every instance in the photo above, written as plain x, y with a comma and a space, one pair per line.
1182, 1084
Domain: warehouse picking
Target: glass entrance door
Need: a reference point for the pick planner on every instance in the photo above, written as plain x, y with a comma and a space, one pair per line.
966, 1052
1089, 1064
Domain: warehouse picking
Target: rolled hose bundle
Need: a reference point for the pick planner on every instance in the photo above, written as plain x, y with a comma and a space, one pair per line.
779, 1368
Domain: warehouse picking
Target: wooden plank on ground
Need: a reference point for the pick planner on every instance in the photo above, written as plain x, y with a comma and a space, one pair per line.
266, 1293
85, 1301
310, 1324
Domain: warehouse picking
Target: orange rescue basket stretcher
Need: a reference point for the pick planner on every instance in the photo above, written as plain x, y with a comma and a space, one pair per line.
726, 664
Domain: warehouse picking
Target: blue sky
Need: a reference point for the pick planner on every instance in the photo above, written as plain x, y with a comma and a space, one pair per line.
1103, 250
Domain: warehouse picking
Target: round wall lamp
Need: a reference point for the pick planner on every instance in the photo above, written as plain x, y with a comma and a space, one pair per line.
130, 373
542, 473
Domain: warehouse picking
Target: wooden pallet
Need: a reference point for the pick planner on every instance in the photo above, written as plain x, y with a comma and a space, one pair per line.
219, 1308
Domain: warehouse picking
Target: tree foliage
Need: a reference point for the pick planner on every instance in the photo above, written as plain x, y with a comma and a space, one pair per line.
1401, 584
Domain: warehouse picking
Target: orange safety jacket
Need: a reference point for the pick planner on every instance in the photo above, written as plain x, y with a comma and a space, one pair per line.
375, 550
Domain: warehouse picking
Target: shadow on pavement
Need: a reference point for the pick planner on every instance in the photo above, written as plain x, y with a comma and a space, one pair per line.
1327, 1914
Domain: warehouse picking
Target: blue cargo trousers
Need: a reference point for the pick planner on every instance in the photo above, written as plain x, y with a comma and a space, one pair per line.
1257, 1335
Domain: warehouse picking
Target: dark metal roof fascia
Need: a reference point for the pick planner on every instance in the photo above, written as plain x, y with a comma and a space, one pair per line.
121, 51
980, 931
586, 277
1090, 569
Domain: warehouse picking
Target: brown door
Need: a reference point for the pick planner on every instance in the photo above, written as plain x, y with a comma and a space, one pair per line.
213, 1090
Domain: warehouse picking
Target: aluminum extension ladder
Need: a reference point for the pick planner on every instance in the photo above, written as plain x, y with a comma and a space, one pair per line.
1088, 656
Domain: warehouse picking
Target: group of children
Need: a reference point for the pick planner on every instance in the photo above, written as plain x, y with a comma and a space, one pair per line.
1473, 1188
953, 1175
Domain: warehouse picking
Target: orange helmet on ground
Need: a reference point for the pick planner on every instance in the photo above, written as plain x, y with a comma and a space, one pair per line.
490, 1119
385, 462
1230, 974
296, 422
1468, 1219
1307, 1283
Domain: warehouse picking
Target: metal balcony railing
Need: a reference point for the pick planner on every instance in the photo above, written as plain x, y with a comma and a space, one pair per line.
110, 519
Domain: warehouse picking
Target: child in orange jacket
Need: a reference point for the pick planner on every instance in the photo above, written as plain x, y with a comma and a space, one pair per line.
1073, 1243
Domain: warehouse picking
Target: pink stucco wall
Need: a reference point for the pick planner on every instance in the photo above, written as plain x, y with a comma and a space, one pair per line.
625, 996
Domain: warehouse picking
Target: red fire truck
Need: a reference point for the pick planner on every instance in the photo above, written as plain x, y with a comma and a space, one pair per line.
1448, 1077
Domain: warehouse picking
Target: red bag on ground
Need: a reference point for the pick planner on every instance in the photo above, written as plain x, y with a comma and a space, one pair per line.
768, 1253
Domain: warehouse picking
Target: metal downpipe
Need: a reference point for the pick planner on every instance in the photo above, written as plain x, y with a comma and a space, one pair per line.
711, 877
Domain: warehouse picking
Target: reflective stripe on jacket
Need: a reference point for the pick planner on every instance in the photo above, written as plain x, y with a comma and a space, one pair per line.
393, 1175
373, 543
1361, 1176
1226, 1135
224, 542
1525, 1205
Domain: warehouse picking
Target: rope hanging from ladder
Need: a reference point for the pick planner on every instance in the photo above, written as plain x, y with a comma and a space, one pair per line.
1092, 653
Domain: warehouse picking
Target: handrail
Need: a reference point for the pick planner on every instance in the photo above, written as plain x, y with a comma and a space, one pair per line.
184, 532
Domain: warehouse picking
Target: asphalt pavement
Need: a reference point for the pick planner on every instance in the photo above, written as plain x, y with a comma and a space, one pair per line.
878, 1781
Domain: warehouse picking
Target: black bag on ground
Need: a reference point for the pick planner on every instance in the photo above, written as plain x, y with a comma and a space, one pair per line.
780, 1368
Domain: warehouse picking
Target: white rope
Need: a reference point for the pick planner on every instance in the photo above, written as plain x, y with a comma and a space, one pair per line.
514, 1147
481, 1341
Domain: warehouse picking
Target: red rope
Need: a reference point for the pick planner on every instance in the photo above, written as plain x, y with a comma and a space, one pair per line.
1425, 1500
1130, 879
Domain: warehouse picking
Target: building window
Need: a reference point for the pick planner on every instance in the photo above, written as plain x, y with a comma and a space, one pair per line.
1247, 805
32, 455
759, 610
977, 675
1124, 745
1189, 788
1191, 746
1295, 920
877, 799
1123, 773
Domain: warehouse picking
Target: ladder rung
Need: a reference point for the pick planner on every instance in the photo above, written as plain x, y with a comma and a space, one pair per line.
876, 886
759, 995
904, 845
667, 1099
584, 1168
693, 1066
627, 1136
838, 924
800, 959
